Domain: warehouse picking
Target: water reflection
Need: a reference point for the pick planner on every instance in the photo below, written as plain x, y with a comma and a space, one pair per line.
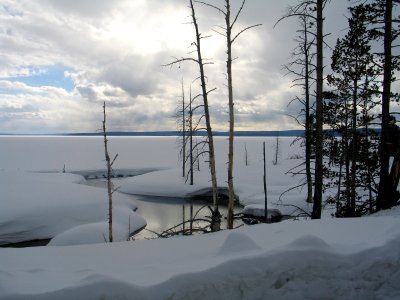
162, 213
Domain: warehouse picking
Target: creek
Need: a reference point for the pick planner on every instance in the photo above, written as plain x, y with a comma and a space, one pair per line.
162, 213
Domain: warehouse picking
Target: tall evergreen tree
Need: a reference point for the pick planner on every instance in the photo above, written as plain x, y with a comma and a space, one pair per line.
355, 72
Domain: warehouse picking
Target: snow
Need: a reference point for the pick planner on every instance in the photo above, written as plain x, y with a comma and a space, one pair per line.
94, 233
42, 205
342, 259
248, 179
237, 242
303, 259
258, 210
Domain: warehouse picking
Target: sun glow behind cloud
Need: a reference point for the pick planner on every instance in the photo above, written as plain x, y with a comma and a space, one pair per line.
61, 59
137, 30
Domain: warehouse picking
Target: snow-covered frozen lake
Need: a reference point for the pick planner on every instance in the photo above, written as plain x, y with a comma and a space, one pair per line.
51, 156
72, 160
303, 259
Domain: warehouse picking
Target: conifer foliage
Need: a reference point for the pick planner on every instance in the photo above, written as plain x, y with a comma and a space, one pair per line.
352, 145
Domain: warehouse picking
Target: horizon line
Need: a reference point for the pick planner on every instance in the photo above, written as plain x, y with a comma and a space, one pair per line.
290, 132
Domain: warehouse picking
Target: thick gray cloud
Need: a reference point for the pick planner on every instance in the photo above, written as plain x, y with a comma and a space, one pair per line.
113, 51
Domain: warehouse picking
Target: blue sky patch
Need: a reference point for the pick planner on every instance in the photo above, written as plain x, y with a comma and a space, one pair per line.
52, 75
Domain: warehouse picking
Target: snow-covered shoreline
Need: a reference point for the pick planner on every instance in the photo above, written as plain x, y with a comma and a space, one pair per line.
37, 206
34, 179
308, 259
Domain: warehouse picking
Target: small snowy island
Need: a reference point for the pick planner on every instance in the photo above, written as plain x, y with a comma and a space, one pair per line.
355, 258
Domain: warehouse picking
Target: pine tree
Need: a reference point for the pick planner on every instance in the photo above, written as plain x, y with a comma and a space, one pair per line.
353, 80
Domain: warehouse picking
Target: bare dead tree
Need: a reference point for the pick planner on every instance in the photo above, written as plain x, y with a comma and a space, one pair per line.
303, 70
180, 117
230, 39
210, 141
109, 164
246, 156
265, 187
194, 127
314, 9
191, 138
276, 156
183, 132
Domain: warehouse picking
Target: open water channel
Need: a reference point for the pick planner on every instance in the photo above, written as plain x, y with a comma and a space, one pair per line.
162, 213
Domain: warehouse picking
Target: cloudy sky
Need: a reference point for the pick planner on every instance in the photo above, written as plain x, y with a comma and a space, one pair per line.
60, 59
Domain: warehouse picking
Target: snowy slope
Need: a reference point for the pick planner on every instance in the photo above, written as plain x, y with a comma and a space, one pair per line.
330, 259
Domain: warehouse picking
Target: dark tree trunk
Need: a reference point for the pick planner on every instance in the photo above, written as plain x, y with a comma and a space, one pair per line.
385, 193
308, 124
317, 207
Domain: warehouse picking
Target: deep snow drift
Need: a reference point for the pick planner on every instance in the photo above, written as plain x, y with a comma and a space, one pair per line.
324, 259
331, 259
38, 206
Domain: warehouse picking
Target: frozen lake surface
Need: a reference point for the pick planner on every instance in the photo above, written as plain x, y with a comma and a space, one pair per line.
305, 259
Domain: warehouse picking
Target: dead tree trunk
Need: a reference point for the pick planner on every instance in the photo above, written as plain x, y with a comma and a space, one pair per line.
206, 113
216, 218
183, 133
275, 161
303, 69
231, 114
229, 41
191, 139
265, 187
109, 164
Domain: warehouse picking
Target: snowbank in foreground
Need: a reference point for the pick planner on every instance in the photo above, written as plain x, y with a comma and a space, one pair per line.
43, 205
325, 259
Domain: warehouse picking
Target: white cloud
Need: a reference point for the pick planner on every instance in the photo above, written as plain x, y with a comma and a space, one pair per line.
113, 51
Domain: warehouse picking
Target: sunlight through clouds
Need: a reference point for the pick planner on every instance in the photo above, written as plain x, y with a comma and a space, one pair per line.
66, 57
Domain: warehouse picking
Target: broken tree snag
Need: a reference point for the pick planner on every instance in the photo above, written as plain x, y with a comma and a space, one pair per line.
265, 187
109, 164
